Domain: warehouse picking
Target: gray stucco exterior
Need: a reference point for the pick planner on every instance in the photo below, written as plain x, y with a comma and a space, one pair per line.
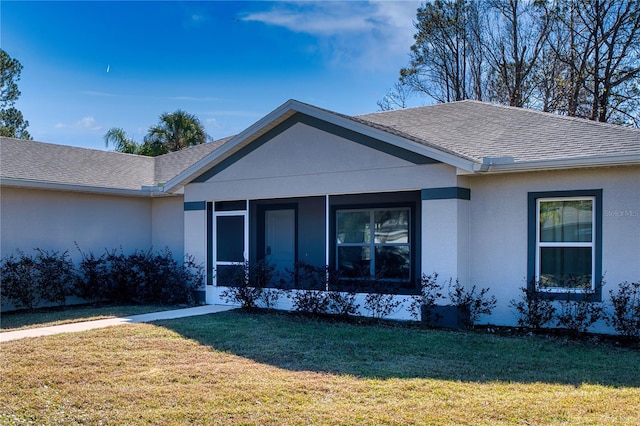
463, 173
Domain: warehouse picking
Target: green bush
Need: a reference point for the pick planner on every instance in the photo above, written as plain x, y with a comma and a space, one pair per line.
312, 295
29, 280
19, 285
577, 316
249, 285
626, 310
424, 303
54, 274
534, 311
90, 282
139, 277
473, 303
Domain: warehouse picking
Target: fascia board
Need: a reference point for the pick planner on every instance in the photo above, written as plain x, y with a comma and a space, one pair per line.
32, 184
563, 163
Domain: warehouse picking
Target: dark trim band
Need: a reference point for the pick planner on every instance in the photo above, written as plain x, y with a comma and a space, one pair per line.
449, 193
194, 206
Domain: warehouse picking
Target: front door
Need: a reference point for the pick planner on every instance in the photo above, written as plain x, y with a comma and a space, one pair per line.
280, 239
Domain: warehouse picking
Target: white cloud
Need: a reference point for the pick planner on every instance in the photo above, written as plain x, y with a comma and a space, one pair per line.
85, 123
362, 34
325, 19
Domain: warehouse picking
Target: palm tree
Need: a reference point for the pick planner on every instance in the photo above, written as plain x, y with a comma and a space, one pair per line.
121, 142
175, 131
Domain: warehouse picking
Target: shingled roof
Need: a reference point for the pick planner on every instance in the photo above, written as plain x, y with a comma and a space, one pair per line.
478, 137
477, 130
31, 163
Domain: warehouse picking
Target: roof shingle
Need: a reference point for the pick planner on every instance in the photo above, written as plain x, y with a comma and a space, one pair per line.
475, 130
470, 130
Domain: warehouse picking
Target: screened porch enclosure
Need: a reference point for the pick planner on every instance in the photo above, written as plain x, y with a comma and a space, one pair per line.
359, 242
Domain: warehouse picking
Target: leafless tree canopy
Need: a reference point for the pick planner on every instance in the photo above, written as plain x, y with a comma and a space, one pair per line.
574, 57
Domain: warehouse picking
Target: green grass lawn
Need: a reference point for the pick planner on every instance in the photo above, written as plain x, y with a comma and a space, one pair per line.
11, 321
240, 367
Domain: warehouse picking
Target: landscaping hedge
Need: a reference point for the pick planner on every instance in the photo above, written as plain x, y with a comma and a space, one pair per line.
112, 277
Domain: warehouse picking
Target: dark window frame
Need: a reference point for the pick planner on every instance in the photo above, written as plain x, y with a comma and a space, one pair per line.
394, 286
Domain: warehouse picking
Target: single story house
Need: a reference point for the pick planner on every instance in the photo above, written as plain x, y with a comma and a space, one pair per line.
490, 195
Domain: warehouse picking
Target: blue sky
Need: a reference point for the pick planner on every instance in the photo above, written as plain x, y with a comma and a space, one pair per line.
90, 66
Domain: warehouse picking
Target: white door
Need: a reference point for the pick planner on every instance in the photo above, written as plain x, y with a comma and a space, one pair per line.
280, 239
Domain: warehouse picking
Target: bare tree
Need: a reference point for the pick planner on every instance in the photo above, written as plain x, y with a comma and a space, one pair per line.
602, 58
445, 59
575, 57
516, 37
395, 98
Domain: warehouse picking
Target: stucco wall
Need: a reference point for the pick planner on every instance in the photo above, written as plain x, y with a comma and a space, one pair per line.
306, 161
56, 220
167, 224
498, 244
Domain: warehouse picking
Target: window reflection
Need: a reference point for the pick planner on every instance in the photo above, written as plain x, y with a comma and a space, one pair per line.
373, 243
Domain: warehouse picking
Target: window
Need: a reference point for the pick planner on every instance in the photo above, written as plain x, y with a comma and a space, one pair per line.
374, 243
566, 244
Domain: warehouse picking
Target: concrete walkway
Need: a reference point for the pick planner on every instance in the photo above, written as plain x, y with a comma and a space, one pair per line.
90, 325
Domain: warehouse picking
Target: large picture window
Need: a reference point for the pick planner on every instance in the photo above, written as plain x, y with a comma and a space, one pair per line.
566, 244
374, 243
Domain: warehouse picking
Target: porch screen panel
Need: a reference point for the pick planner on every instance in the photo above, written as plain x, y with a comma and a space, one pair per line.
229, 248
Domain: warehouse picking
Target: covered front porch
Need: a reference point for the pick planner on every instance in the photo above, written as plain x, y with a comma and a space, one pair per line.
373, 242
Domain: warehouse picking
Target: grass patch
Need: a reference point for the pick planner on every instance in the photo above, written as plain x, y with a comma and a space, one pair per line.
240, 367
22, 320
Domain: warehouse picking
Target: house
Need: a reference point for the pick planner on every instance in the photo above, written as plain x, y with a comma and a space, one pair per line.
489, 195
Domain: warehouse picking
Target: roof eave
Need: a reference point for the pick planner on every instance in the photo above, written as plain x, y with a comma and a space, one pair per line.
562, 163
145, 191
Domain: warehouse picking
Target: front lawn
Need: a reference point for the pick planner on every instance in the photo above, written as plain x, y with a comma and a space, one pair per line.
239, 367
46, 317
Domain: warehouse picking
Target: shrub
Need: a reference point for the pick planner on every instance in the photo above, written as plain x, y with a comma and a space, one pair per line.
53, 273
170, 281
626, 310
342, 303
89, 283
423, 304
270, 296
307, 277
28, 280
533, 310
382, 301
141, 277
314, 291
471, 302
578, 315
382, 305
311, 301
190, 277
19, 285
248, 282
124, 276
